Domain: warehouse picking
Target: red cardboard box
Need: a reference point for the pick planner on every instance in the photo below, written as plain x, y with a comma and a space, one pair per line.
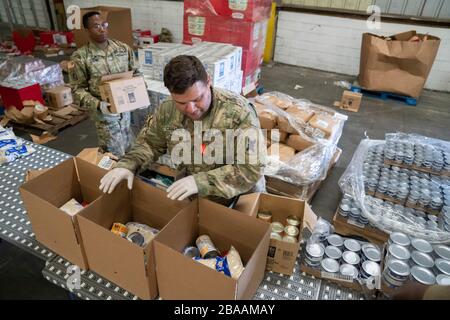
15, 95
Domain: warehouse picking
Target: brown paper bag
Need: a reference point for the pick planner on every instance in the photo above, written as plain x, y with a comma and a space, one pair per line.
398, 64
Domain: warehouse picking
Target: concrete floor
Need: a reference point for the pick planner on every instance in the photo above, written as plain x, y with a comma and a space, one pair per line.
20, 272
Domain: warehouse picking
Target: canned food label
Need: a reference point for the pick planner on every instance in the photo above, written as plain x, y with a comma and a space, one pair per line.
355, 223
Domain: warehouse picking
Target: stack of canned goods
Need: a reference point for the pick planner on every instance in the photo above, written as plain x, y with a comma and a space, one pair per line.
288, 232
344, 257
349, 208
413, 259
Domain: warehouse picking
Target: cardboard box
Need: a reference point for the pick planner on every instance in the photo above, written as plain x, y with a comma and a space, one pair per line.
59, 97
298, 142
105, 161
282, 255
125, 94
117, 259
119, 25
286, 153
181, 278
326, 123
43, 197
351, 101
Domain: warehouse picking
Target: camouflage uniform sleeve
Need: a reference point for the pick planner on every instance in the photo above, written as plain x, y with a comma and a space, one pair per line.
78, 78
231, 180
149, 145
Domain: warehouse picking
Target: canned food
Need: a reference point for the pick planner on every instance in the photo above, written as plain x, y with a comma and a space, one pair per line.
443, 280
335, 240
291, 231
349, 270
329, 265
422, 275
370, 252
350, 257
442, 266
396, 273
314, 253
120, 230
333, 252
442, 251
289, 239
421, 259
344, 210
399, 238
293, 221
421, 245
276, 236
277, 227
352, 245
207, 248
398, 252
191, 252
265, 216
370, 269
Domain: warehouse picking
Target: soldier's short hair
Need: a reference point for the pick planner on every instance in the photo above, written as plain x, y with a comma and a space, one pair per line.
86, 17
182, 72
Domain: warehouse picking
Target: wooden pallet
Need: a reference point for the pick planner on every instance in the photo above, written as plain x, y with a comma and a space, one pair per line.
53, 127
385, 95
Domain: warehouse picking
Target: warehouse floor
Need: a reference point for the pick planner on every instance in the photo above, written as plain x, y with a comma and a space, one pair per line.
20, 272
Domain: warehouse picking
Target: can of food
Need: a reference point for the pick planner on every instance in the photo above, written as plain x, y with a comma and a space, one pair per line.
399, 238
293, 221
352, 245
441, 251
291, 231
120, 230
350, 257
396, 273
191, 252
348, 270
370, 253
335, 240
344, 210
442, 266
277, 227
398, 252
207, 248
422, 275
265, 216
333, 252
421, 245
314, 253
329, 265
443, 280
370, 269
421, 259
289, 239
276, 236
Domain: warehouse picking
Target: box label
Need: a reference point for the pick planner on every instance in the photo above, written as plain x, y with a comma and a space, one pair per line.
196, 25
148, 57
355, 223
238, 4
334, 276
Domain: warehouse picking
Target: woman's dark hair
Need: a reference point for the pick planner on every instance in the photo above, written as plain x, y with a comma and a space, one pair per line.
182, 72
86, 17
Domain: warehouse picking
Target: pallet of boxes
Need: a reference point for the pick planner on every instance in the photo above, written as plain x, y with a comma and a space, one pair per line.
302, 142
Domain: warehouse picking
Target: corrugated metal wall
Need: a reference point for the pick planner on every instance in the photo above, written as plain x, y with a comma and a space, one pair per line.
29, 13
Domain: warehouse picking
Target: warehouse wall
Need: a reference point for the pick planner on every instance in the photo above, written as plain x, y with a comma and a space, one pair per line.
147, 14
334, 44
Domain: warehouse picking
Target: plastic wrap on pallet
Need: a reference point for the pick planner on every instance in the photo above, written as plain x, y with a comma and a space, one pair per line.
311, 164
46, 73
387, 215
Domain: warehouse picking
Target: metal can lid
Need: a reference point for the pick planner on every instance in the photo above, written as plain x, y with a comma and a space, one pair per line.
352, 245
333, 252
293, 221
442, 251
348, 270
423, 275
371, 268
330, 265
277, 227
335, 240
275, 236
421, 245
399, 252
351, 257
315, 250
290, 239
264, 215
371, 252
443, 280
443, 266
400, 239
422, 259
291, 231
398, 267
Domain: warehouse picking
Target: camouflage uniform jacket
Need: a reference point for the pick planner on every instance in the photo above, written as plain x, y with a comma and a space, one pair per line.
228, 111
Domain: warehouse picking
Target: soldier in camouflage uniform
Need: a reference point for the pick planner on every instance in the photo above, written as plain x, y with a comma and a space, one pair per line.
100, 57
194, 99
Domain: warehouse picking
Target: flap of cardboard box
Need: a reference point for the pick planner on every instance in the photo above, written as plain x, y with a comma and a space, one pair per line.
117, 76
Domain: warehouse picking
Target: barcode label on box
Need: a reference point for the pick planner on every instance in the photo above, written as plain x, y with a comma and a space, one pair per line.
355, 223
131, 97
287, 254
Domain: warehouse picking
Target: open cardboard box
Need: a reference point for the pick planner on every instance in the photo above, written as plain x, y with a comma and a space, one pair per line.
180, 277
117, 259
46, 193
282, 255
105, 161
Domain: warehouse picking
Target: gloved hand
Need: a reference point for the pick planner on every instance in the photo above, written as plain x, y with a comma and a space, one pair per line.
112, 179
182, 189
104, 107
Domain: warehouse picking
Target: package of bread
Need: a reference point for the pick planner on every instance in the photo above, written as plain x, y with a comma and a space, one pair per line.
267, 117
324, 122
285, 152
299, 143
302, 116
280, 103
